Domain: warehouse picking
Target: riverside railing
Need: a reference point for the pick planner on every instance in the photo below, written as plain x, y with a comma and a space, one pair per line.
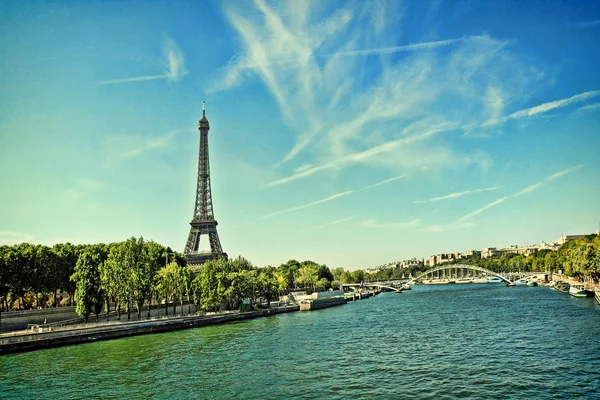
38, 332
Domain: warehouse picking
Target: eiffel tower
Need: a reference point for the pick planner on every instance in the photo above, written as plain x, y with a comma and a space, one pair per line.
203, 222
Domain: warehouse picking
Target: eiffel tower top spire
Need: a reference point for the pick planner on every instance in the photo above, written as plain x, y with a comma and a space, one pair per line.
203, 123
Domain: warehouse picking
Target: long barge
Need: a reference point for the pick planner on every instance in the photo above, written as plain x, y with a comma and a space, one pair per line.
321, 300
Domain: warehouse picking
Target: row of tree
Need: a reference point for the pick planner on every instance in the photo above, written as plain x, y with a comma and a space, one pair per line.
130, 274
136, 273
579, 258
33, 275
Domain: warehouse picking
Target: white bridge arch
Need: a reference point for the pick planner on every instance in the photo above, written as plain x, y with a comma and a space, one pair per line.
464, 266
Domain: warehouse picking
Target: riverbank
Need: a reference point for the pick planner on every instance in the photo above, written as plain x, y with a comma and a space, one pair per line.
45, 338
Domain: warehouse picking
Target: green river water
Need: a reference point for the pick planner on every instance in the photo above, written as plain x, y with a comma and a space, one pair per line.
472, 341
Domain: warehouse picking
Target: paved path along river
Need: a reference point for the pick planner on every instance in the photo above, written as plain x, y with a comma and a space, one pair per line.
434, 342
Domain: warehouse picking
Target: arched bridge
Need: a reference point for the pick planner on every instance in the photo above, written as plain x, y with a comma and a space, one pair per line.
462, 266
372, 285
400, 284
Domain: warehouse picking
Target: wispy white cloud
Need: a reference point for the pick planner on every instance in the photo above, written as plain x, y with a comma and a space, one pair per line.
564, 172
341, 113
173, 66
339, 221
588, 24
312, 204
335, 196
135, 79
589, 107
12, 237
150, 144
302, 168
458, 194
521, 192
385, 181
545, 107
371, 223
312, 63
366, 155
552, 177
398, 49
480, 210
528, 189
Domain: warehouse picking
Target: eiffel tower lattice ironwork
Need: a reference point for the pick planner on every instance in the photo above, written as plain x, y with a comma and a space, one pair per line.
203, 222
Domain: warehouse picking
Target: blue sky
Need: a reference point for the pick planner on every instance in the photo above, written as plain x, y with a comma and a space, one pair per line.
352, 133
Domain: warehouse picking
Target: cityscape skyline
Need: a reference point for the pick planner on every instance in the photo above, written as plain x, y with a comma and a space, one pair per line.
349, 133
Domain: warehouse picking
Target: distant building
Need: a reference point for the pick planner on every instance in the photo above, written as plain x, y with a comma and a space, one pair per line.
496, 252
565, 239
472, 253
413, 262
444, 258
549, 246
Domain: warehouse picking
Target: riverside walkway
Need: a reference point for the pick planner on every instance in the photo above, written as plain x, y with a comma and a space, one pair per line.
42, 337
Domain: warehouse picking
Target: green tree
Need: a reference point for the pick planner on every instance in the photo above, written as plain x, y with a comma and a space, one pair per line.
188, 276
167, 283
346, 277
207, 292
551, 263
323, 272
358, 276
88, 292
323, 284
154, 255
268, 284
67, 255
5, 277
290, 271
307, 276
118, 275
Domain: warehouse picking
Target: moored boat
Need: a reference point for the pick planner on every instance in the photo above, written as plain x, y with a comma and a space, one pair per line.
597, 293
578, 290
532, 283
562, 287
323, 300
494, 279
435, 282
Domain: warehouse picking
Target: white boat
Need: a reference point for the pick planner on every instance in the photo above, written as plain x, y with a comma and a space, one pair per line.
578, 290
494, 279
480, 280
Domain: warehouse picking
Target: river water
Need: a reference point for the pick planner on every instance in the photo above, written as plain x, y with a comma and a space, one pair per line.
472, 341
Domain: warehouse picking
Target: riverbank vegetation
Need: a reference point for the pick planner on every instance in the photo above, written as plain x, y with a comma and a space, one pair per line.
578, 258
135, 273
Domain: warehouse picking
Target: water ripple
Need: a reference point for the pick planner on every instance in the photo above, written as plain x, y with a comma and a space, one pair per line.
444, 342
